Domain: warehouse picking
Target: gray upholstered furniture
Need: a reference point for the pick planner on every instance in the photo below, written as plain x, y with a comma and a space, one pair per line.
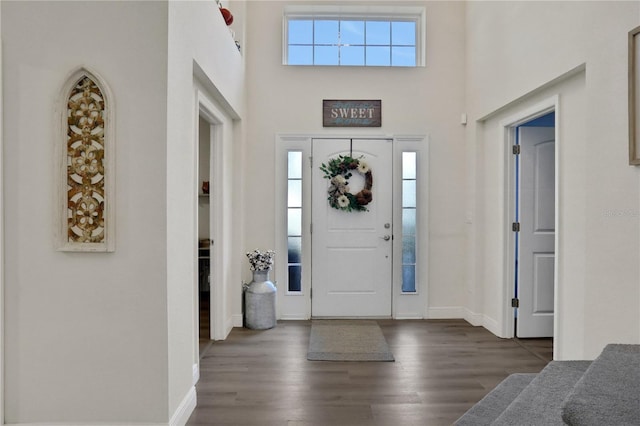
603, 392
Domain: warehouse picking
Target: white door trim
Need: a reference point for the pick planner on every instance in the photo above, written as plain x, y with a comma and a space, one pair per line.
297, 306
208, 109
412, 305
292, 306
507, 131
1, 248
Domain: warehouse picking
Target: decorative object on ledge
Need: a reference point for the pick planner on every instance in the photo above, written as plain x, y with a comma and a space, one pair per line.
260, 293
346, 113
227, 16
634, 96
205, 187
86, 165
338, 171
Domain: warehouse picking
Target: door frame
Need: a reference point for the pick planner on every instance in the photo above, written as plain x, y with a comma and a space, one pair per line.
508, 128
297, 306
1, 246
220, 123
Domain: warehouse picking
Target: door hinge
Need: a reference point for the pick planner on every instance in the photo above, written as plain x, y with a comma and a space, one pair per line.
311, 293
515, 226
311, 228
311, 162
516, 149
515, 302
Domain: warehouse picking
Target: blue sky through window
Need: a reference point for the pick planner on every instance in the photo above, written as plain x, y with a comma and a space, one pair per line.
351, 42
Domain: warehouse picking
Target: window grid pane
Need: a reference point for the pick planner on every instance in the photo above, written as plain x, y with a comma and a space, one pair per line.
352, 33
378, 33
300, 31
294, 221
295, 277
353, 42
409, 216
295, 165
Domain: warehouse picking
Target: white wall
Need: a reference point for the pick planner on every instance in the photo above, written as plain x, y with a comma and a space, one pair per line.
513, 50
110, 337
424, 100
86, 333
199, 43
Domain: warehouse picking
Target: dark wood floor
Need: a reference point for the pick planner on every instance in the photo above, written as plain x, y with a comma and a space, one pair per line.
204, 322
442, 368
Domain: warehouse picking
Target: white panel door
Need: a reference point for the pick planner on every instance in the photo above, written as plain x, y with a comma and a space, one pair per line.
352, 251
537, 231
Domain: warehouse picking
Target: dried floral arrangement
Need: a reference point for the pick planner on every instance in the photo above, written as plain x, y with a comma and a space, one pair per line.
261, 260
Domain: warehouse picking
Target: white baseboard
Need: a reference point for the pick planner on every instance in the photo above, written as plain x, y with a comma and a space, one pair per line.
179, 418
491, 325
473, 318
446, 312
196, 373
293, 317
409, 316
237, 320
186, 407
86, 424
482, 320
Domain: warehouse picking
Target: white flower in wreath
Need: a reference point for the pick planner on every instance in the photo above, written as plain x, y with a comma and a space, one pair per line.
343, 201
338, 180
345, 190
363, 167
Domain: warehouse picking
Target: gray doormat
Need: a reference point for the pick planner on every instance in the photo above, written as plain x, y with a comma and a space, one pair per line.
347, 340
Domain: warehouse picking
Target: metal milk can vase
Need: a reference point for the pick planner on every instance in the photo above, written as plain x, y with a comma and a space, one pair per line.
260, 302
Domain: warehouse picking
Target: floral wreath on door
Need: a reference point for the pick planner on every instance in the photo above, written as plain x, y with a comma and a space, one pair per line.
339, 170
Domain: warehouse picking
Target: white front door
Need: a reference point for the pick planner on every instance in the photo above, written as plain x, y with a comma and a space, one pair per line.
537, 232
352, 250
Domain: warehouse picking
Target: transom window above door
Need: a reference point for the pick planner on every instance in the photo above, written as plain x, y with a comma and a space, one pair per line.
346, 38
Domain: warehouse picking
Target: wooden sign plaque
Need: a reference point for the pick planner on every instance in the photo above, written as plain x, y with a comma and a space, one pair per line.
351, 113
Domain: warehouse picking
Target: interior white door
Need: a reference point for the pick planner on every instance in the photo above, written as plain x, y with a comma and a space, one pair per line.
537, 232
352, 251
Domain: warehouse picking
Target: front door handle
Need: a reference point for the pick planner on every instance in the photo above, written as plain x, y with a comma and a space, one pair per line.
386, 237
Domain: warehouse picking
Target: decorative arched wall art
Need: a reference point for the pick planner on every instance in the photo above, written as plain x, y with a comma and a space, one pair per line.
86, 169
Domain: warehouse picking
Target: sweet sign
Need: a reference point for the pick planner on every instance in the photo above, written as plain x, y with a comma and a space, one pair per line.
346, 113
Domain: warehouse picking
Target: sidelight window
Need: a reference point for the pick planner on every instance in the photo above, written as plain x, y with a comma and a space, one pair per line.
409, 216
294, 220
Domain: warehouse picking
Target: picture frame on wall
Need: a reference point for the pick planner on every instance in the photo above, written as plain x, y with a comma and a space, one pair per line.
634, 96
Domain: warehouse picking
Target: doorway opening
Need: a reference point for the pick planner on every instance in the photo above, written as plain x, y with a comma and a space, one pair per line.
539, 217
535, 242
204, 234
532, 285
534, 148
